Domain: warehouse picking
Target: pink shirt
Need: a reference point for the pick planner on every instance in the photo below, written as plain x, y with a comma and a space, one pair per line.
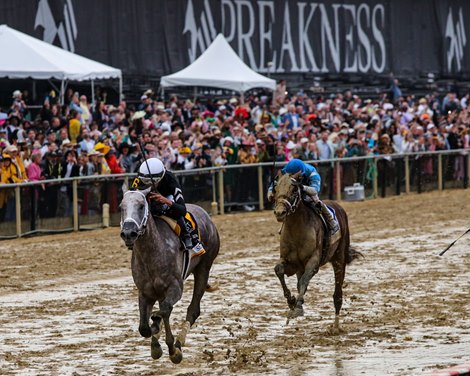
34, 172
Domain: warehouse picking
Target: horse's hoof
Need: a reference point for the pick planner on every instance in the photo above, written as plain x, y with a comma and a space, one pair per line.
291, 302
296, 312
177, 356
145, 331
155, 349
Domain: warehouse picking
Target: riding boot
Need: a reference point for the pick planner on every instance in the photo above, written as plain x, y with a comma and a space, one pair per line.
332, 223
185, 236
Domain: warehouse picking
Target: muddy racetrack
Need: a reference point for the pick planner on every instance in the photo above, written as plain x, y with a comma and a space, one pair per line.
69, 306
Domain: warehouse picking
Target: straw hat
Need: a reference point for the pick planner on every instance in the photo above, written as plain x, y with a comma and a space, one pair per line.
100, 147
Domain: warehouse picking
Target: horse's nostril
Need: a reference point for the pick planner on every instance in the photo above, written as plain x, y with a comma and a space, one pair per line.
133, 234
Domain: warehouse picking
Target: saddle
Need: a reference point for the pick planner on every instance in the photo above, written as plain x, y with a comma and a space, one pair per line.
193, 229
326, 247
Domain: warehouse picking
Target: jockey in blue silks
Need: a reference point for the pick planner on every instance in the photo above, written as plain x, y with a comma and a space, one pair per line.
311, 185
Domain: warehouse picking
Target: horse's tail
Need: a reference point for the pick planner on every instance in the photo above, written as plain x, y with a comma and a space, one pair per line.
212, 287
352, 254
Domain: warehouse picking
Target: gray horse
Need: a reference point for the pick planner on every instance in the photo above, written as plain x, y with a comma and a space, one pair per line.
157, 263
302, 239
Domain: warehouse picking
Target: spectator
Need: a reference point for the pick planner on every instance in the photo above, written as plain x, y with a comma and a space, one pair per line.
17, 162
34, 171
325, 149
85, 107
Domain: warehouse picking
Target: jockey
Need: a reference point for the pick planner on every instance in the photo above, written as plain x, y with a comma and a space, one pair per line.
311, 180
166, 197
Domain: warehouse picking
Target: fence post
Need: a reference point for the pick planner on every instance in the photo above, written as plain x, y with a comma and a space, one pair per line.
214, 196
439, 172
260, 188
468, 169
338, 181
105, 215
18, 211
221, 192
376, 180
407, 174
75, 204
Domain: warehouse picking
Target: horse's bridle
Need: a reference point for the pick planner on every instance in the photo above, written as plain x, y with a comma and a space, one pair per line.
143, 224
291, 207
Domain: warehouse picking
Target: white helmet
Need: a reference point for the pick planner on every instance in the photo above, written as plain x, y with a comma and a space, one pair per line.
151, 171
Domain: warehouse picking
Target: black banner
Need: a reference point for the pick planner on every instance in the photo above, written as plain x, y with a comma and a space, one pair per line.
151, 38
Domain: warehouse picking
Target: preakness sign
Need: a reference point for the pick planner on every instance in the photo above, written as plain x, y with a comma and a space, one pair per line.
157, 37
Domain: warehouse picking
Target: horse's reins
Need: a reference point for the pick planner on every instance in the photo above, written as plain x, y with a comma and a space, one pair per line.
143, 223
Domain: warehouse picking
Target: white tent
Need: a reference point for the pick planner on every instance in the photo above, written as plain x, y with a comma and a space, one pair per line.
25, 56
219, 66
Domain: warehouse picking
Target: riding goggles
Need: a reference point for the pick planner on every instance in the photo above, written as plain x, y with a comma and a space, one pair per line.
147, 180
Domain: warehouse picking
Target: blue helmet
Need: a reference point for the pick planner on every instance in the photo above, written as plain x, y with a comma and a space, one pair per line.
294, 166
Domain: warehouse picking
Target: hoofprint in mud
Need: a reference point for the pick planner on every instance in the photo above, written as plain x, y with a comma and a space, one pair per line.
69, 303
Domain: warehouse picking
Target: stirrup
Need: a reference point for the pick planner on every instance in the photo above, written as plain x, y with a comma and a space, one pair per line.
187, 243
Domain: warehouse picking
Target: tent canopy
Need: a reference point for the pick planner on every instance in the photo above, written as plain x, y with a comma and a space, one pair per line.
25, 56
219, 66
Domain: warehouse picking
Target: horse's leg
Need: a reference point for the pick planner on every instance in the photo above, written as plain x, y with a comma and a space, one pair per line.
299, 275
311, 268
201, 278
339, 267
166, 307
155, 348
145, 309
280, 270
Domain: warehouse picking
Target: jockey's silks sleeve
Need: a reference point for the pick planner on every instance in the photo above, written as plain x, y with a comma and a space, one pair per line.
169, 186
313, 178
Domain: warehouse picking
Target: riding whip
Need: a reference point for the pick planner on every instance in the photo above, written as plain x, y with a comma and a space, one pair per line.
273, 169
451, 244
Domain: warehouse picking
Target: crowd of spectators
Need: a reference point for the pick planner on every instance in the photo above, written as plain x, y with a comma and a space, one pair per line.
78, 139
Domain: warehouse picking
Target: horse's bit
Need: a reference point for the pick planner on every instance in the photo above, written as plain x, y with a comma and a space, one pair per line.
143, 223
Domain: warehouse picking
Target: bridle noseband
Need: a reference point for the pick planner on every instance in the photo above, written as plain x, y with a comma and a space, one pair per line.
143, 224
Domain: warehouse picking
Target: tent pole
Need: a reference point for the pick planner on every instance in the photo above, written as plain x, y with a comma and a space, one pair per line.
195, 94
163, 94
242, 97
93, 95
62, 89
34, 91
120, 89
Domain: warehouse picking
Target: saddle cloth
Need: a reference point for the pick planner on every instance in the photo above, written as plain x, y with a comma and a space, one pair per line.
333, 213
198, 248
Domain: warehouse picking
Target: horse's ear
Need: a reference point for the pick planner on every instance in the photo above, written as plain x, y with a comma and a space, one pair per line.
125, 187
279, 173
146, 191
296, 176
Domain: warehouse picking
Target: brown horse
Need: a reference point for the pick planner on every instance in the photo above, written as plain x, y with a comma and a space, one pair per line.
302, 240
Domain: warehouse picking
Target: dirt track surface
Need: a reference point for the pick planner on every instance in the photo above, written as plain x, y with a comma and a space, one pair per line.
69, 305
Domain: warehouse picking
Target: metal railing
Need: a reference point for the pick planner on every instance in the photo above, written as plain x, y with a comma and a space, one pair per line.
80, 203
